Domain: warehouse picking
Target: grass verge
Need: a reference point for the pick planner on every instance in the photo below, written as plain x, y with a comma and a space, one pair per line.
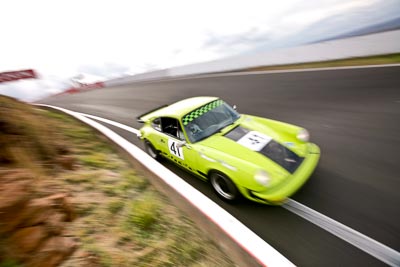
357, 61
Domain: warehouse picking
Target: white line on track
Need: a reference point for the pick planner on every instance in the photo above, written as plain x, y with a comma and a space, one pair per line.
239, 73
357, 239
114, 123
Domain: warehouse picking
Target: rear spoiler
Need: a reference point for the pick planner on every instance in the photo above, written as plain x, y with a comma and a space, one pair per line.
139, 118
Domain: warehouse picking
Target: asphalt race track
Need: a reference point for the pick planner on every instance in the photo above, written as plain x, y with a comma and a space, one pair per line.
352, 114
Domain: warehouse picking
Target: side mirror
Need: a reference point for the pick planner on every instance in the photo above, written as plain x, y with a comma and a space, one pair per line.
234, 107
180, 144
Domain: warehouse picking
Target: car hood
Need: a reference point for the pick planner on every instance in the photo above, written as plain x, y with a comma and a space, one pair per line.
258, 144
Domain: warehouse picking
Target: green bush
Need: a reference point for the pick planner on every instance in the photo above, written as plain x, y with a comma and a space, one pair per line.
99, 160
132, 180
115, 206
9, 263
144, 212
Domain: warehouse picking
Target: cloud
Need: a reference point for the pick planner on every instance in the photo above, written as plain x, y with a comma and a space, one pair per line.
355, 19
228, 45
31, 90
106, 70
341, 20
301, 23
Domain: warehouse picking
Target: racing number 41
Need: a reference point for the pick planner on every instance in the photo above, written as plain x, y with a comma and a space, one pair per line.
174, 149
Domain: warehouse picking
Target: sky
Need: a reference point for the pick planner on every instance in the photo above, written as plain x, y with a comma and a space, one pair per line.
109, 38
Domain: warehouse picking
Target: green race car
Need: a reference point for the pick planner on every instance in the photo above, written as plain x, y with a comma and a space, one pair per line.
241, 155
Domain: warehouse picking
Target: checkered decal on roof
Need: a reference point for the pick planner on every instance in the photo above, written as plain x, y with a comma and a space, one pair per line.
200, 111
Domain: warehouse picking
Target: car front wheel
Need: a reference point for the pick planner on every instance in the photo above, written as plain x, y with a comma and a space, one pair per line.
224, 187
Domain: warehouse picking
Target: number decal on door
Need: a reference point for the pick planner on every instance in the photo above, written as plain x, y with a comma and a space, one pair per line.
173, 149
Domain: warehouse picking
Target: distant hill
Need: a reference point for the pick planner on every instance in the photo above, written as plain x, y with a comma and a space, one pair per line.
389, 25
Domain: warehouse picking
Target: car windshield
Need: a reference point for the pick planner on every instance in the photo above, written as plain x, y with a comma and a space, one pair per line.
208, 119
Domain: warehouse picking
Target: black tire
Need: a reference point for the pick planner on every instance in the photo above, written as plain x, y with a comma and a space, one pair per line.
150, 149
224, 187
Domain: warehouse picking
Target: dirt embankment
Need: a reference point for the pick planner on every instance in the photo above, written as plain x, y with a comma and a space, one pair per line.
31, 229
32, 216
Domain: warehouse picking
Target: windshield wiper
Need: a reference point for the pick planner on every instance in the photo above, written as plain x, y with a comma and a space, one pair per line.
229, 124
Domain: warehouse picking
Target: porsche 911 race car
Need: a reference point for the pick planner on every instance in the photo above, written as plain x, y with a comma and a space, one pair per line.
241, 155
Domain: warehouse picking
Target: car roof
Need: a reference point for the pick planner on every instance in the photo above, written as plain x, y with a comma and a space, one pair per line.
180, 108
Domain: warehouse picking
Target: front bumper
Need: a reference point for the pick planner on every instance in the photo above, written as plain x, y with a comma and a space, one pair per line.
279, 193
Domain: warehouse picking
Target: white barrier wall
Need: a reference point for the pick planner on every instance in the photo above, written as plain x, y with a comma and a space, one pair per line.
137, 77
360, 46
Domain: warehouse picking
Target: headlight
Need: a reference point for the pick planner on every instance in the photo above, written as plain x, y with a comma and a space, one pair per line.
262, 178
303, 135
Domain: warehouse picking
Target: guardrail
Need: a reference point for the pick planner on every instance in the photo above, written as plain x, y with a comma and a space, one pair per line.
86, 87
244, 246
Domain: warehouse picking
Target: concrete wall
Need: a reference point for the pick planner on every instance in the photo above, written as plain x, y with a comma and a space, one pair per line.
137, 77
360, 46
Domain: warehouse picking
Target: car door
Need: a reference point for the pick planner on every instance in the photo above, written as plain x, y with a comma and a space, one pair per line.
156, 137
171, 140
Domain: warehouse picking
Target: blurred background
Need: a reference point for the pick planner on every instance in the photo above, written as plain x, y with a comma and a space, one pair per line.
86, 42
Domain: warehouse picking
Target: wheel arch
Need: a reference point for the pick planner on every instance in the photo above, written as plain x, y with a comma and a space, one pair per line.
243, 190
149, 144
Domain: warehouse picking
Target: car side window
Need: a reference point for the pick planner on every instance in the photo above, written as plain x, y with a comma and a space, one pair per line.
172, 127
156, 124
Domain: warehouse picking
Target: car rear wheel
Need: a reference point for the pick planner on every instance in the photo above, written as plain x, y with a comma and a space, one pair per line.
224, 187
149, 148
